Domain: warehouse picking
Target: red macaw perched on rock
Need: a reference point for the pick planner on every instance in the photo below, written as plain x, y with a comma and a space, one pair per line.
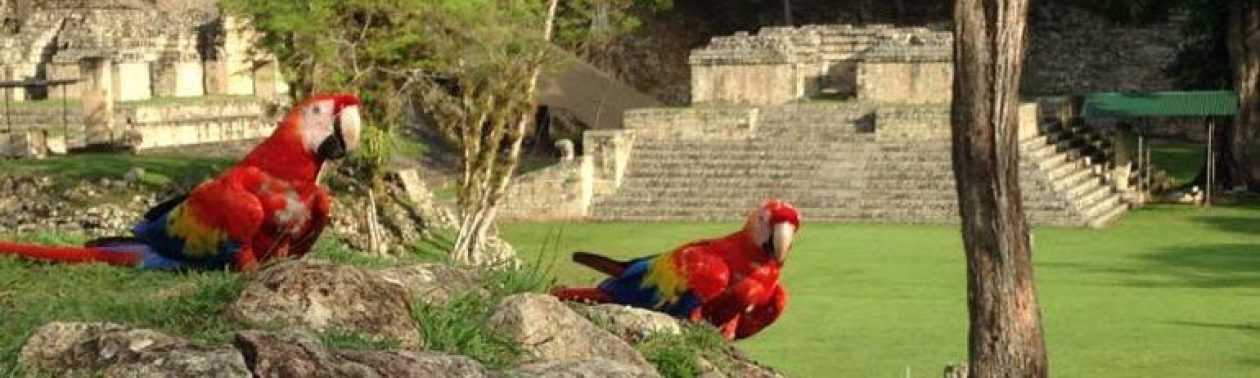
267, 206
731, 282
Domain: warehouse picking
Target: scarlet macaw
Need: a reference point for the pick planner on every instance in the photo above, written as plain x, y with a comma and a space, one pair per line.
732, 282
267, 206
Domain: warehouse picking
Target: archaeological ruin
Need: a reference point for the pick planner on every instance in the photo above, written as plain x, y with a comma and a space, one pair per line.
850, 123
141, 77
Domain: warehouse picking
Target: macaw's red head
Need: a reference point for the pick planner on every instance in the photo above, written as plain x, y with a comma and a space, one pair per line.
320, 128
773, 226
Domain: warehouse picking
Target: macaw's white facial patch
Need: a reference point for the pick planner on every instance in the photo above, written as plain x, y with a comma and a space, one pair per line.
316, 124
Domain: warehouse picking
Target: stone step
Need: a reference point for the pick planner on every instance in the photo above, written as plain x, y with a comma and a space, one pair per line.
1108, 217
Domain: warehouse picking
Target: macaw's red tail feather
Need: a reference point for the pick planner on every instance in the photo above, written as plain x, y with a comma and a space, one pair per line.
603, 264
70, 254
582, 294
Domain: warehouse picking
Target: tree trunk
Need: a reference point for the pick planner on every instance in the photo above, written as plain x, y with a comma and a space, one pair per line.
1244, 50
1225, 176
478, 219
1005, 336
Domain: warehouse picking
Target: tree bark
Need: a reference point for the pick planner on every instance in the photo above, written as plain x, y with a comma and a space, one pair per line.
1005, 337
1244, 50
1226, 173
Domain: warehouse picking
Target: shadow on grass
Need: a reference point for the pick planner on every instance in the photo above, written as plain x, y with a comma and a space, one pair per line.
1201, 266
1246, 328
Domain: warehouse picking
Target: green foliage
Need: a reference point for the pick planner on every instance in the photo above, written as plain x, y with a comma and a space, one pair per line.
459, 327
676, 356
328, 247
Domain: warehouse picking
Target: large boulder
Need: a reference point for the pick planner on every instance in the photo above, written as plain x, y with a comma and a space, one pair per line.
314, 296
64, 349
583, 369
553, 332
296, 355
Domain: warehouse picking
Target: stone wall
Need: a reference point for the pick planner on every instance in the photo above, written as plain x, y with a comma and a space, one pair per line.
702, 123
754, 84
906, 82
150, 126
561, 191
783, 64
609, 151
155, 50
1072, 51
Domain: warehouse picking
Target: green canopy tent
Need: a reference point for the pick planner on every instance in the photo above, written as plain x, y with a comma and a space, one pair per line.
1206, 104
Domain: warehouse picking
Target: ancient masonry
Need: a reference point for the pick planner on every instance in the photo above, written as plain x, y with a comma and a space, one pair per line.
848, 123
127, 58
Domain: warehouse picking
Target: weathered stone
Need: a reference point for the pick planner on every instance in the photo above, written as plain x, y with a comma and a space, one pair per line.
116, 351
295, 355
631, 324
597, 368
958, 370
318, 296
431, 283
551, 331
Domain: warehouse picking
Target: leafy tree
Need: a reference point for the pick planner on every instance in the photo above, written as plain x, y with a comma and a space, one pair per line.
470, 66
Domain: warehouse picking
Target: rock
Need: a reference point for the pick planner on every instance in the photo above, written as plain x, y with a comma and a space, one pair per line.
632, 324
708, 370
598, 368
958, 370
112, 350
134, 175
552, 331
294, 355
311, 295
432, 283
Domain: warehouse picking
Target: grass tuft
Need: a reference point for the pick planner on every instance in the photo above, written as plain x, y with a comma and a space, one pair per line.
459, 327
677, 356
346, 339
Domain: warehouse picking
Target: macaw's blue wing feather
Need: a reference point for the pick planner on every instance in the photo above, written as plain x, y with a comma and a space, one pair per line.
652, 282
179, 235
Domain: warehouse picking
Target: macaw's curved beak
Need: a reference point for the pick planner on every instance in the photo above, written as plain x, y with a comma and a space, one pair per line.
344, 137
781, 240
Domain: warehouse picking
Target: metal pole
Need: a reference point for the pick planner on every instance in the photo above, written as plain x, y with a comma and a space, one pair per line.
1141, 183
1211, 164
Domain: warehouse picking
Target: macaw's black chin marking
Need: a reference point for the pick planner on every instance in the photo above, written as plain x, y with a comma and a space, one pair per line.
333, 147
768, 247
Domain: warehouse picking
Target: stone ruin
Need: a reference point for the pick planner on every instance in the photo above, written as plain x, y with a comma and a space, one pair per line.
849, 123
123, 53
837, 62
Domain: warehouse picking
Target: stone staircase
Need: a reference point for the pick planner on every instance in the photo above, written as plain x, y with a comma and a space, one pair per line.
830, 164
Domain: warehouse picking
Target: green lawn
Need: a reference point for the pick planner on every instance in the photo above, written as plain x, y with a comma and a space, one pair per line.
160, 170
1181, 160
1168, 292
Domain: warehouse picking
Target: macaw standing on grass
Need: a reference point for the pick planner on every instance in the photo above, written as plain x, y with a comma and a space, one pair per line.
731, 282
267, 206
